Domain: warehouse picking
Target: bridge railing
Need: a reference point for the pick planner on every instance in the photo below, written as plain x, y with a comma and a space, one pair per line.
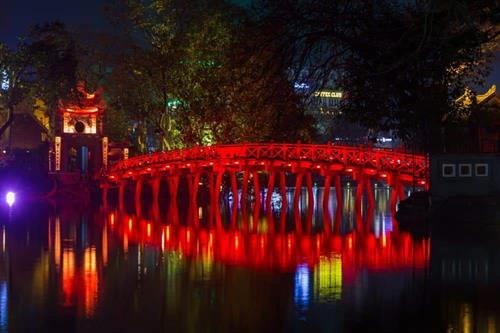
379, 158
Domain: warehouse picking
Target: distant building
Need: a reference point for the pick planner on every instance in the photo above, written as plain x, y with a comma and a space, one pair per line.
80, 146
26, 132
324, 106
469, 163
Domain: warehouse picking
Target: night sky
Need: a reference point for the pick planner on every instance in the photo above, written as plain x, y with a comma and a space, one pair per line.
17, 15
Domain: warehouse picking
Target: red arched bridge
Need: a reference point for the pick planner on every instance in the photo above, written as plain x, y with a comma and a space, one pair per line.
274, 160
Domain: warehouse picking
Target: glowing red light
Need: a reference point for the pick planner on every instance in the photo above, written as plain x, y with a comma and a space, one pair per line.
264, 154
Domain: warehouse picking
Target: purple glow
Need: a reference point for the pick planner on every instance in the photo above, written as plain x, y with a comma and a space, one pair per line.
10, 198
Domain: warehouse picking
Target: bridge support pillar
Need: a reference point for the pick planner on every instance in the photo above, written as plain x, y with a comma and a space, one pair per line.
138, 191
173, 186
298, 191
121, 195
310, 194
369, 192
284, 201
193, 186
326, 200
402, 194
283, 189
338, 190
243, 200
211, 185
244, 190
359, 192
394, 184
270, 189
218, 182
256, 208
155, 189
310, 202
193, 182
326, 193
296, 202
397, 192
234, 187
394, 197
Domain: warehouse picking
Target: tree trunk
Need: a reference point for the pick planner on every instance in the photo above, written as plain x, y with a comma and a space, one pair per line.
9, 121
141, 138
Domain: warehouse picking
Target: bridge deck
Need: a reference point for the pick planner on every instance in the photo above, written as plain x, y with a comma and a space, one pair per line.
293, 158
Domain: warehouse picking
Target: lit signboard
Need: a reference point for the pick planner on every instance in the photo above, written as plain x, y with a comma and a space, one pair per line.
58, 152
4, 78
328, 94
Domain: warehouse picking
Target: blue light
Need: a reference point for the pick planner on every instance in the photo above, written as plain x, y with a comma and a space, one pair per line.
3, 306
301, 86
4, 80
301, 287
10, 198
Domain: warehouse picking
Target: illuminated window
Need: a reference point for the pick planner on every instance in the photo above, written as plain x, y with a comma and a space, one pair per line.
465, 170
448, 170
83, 124
481, 170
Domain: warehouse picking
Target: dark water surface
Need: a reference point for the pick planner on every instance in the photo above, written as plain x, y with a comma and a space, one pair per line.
75, 269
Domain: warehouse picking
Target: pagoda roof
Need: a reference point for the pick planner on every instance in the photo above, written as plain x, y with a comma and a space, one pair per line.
85, 102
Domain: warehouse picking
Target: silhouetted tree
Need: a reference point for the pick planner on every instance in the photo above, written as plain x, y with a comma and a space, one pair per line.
42, 65
402, 64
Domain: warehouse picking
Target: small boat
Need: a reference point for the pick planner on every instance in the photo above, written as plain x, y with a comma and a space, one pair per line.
413, 212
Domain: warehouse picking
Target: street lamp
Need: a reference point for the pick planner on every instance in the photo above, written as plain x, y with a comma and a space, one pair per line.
10, 198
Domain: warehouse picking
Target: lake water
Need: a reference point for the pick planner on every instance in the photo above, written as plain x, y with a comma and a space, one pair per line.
65, 268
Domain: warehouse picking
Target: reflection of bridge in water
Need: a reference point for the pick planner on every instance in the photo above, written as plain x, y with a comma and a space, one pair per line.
276, 250
247, 166
293, 228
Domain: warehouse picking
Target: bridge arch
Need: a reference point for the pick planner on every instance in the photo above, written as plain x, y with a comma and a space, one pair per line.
279, 161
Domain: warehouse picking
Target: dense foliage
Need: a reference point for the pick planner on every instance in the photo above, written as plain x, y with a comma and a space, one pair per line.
188, 73
42, 65
183, 73
402, 64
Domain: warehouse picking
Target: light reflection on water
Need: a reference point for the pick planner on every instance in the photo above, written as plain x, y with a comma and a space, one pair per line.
109, 270
301, 288
3, 306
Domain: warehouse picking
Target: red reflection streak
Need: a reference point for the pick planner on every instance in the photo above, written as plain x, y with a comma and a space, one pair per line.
90, 280
280, 251
80, 286
68, 276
